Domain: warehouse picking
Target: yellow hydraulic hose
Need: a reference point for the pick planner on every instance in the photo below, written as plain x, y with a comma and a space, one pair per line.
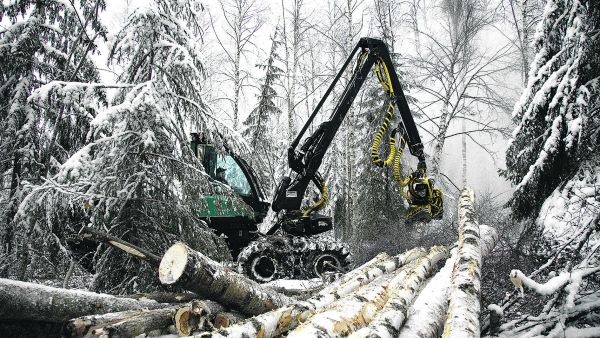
320, 204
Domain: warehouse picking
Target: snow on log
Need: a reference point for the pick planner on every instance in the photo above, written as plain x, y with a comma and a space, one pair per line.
356, 272
29, 301
276, 322
300, 289
365, 276
191, 270
462, 319
388, 321
427, 315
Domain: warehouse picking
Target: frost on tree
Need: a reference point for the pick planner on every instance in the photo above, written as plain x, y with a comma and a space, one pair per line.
45, 50
137, 176
553, 161
556, 126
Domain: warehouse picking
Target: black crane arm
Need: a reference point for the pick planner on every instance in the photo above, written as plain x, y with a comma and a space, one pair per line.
304, 162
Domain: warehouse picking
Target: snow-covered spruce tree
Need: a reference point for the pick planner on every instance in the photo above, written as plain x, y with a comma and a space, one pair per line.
43, 45
137, 178
555, 163
258, 130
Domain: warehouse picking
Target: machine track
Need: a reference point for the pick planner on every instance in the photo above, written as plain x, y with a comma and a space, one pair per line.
295, 257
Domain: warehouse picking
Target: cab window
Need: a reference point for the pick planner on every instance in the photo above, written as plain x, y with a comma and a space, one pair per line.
234, 175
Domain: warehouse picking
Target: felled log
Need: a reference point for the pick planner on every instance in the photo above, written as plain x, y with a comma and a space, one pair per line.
137, 322
299, 289
279, 321
198, 316
465, 292
401, 293
99, 236
349, 313
357, 310
428, 314
165, 297
121, 324
356, 272
226, 319
29, 301
191, 270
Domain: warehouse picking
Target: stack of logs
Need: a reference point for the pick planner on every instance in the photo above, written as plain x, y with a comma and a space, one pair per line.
387, 296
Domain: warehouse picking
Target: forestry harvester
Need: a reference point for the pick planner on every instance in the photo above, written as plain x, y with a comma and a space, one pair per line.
294, 246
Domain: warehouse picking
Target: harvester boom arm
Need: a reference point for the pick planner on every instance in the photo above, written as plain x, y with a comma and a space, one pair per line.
305, 162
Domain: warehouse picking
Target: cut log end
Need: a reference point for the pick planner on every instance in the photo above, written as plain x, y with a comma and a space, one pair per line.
173, 264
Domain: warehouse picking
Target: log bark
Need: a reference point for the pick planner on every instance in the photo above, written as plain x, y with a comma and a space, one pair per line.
191, 270
388, 321
464, 307
29, 301
226, 319
356, 272
121, 324
428, 314
136, 322
351, 312
99, 236
279, 321
164, 297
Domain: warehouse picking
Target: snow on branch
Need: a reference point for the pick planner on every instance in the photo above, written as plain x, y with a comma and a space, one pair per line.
519, 279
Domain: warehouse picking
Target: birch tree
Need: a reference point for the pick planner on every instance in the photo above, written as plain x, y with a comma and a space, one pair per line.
242, 20
467, 77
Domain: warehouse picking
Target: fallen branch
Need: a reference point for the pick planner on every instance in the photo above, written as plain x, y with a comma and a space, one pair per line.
191, 270
99, 236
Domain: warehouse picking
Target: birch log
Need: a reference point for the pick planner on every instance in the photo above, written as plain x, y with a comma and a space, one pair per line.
121, 324
164, 297
277, 322
428, 313
351, 312
191, 270
462, 319
388, 321
29, 301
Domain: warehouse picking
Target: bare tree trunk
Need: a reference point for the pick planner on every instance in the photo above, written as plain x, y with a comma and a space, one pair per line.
464, 153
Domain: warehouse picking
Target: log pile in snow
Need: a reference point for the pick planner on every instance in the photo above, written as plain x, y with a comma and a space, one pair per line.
389, 296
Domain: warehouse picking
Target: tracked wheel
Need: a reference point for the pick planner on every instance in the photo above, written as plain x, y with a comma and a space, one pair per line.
260, 261
327, 257
323, 263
